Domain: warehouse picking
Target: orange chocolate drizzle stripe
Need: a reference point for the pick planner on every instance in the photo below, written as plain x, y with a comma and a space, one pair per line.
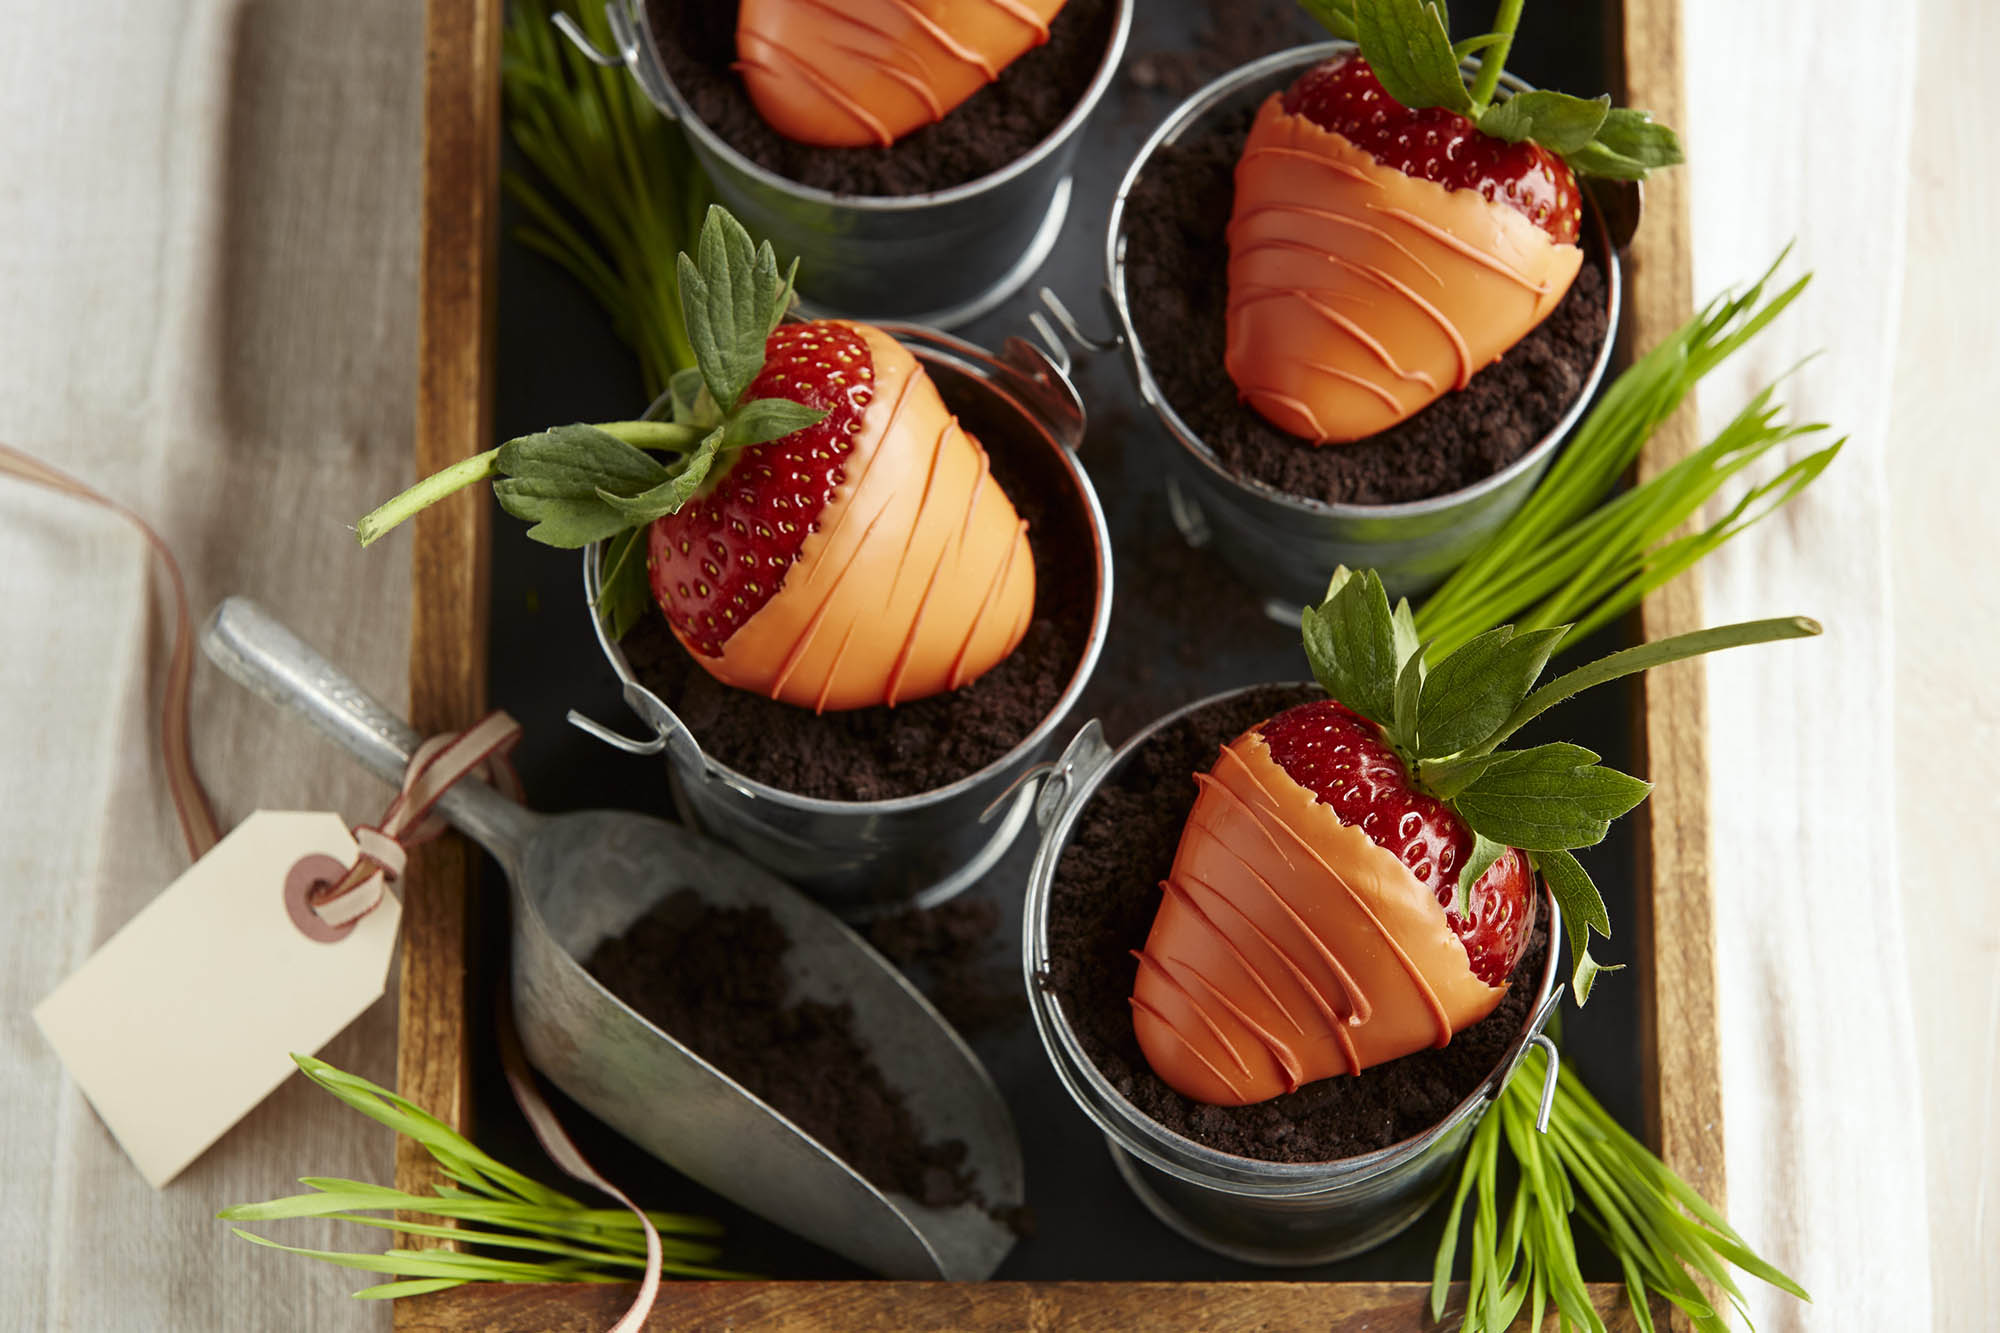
1331, 958
921, 579
1440, 283
867, 72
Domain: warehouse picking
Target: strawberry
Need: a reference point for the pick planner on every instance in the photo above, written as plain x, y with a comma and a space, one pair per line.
718, 559
1345, 761
1395, 231
867, 72
1355, 881
822, 531
1435, 143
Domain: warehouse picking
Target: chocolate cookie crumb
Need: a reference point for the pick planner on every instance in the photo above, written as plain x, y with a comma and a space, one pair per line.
714, 977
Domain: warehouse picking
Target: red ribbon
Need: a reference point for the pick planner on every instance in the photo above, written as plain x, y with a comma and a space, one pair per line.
197, 819
438, 763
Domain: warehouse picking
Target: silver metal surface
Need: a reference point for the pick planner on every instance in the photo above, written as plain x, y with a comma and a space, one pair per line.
1275, 1213
864, 858
943, 258
1287, 546
579, 879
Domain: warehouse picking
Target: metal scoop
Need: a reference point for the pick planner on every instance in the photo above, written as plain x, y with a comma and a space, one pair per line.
579, 879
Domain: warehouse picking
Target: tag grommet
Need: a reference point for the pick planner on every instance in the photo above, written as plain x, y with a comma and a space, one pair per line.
307, 874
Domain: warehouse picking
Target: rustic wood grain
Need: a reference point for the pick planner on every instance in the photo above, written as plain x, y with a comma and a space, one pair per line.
458, 273
1679, 1026
987, 1307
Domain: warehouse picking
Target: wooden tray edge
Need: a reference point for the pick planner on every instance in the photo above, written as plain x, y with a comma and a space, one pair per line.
447, 684
985, 1307
457, 279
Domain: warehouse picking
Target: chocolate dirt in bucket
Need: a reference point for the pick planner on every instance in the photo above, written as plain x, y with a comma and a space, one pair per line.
873, 754
994, 127
1178, 287
1105, 895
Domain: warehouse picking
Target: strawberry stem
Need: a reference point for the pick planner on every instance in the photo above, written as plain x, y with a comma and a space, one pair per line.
668, 435
425, 494
1493, 60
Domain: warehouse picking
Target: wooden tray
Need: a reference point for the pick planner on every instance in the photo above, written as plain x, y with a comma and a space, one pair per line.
1673, 923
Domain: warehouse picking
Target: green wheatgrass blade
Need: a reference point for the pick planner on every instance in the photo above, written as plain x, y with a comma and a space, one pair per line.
513, 1212
630, 193
1587, 1167
1574, 550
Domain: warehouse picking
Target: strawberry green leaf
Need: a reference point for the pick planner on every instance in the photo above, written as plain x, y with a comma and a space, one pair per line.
1627, 146
1485, 852
1546, 798
1336, 16
624, 595
1635, 135
1350, 640
673, 492
556, 479
1408, 45
1446, 778
767, 419
1409, 690
1404, 624
1470, 693
1582, 909
692, 403
1556, 121
731, 297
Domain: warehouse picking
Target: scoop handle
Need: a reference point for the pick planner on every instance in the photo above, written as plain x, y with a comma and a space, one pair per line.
257, 651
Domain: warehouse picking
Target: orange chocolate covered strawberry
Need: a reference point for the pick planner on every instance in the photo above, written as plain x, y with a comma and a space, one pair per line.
1356, 880
1394, 232
866, 559
813, 522
867, 72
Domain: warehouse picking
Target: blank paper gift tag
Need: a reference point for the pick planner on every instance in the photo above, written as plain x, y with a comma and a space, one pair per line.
188, 1017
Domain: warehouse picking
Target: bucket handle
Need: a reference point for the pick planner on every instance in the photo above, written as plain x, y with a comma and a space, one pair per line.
617, 15
1039, 381
1553, 1071
1058, 343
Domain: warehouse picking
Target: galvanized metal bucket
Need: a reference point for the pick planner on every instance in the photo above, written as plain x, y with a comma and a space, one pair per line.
943, 258
1276, 1213
864, 858
1287, 545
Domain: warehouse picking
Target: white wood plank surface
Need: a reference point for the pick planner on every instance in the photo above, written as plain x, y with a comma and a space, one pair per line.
207, 310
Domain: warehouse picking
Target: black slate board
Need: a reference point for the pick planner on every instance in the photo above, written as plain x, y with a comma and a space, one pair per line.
559, 362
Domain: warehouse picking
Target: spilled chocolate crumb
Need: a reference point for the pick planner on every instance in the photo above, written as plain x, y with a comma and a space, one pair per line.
947, 950
1179, 290
1233, 33
1105, 895
996, 125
